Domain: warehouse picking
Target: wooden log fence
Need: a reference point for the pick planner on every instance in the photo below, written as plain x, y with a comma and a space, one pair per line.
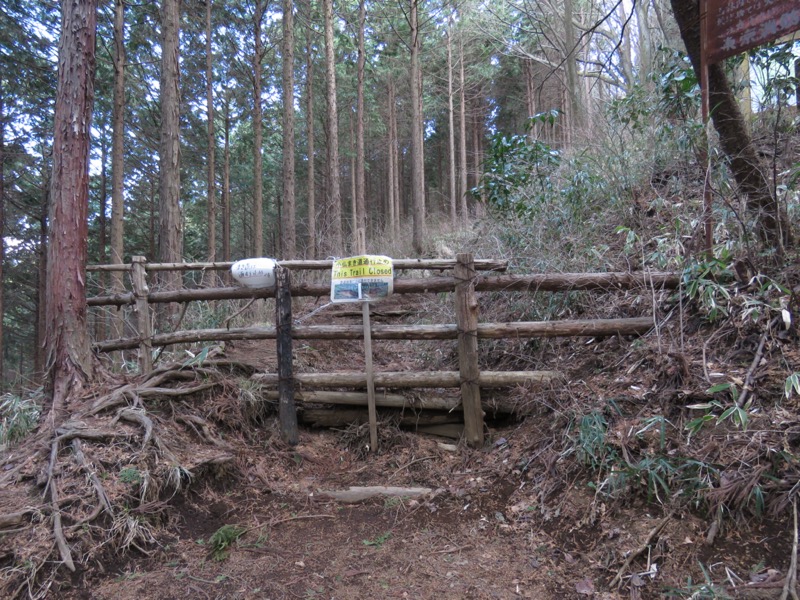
469, 276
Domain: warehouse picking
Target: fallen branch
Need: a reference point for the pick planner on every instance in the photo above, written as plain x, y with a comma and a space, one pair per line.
790, 586
617, 581
747, 388
14, 519
299, 517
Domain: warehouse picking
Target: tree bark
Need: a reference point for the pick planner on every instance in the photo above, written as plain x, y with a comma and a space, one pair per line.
170, 226
733, 132
288, 231
333, 236
211, 145
69, 360
117, 161
258, 135
417, 147
2, 229
311, 175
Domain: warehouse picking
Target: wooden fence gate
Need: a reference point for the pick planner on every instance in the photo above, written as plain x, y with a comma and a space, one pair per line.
469, 276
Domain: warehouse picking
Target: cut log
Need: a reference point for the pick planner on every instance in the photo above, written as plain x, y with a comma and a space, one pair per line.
491, 405
359, 494
431, 379
532, 329
310, 265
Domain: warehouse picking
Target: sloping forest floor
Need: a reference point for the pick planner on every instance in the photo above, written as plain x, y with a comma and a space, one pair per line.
606, 486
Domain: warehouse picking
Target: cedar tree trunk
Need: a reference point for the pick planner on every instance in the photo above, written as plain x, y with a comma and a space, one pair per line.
69, 360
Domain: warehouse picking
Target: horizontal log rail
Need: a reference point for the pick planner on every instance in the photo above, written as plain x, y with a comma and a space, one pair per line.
418, 379
561, 282
525, 329
400, 264
389, 400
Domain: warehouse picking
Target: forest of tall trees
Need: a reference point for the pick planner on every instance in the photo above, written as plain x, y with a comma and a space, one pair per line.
232, 128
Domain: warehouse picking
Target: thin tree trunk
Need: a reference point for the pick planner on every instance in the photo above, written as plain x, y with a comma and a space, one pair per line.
2, 230
451, 140
288, 233
102, 223
462, 137
734, 135
417, 148
311, 176
258, 135
211, 145
626, 49
645, 39
170, 228
69, 358
226, 182
360, 218
117, 163
354, 244
41, 291
334, 208
390, 166
575, 114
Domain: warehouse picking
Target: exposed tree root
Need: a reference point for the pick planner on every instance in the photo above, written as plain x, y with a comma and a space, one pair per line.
135, 417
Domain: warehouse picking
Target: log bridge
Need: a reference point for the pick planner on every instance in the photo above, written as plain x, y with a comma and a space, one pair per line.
469, 276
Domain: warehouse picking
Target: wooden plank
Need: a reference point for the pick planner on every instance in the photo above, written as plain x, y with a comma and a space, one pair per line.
430, 379
143, 324
467, 321
287, 414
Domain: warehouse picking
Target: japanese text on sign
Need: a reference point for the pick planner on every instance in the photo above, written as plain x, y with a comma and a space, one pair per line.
734, 26
361, 278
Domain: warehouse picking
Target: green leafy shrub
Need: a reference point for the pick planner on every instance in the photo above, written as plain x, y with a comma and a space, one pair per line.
18, 417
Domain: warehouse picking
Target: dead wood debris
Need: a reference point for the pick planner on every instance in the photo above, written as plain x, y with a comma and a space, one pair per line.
617, 581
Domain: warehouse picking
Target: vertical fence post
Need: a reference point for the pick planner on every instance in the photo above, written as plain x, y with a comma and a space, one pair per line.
287, 414
143, 323
371, 410
467, 321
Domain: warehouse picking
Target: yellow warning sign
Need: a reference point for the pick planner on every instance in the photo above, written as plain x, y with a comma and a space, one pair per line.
361, 278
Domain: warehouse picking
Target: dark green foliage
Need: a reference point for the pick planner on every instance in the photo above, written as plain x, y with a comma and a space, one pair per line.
515, 162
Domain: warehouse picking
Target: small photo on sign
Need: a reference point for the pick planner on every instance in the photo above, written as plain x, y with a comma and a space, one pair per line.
371, 290
346, 291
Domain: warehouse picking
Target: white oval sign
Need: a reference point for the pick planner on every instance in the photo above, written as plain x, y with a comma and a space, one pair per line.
255, 272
